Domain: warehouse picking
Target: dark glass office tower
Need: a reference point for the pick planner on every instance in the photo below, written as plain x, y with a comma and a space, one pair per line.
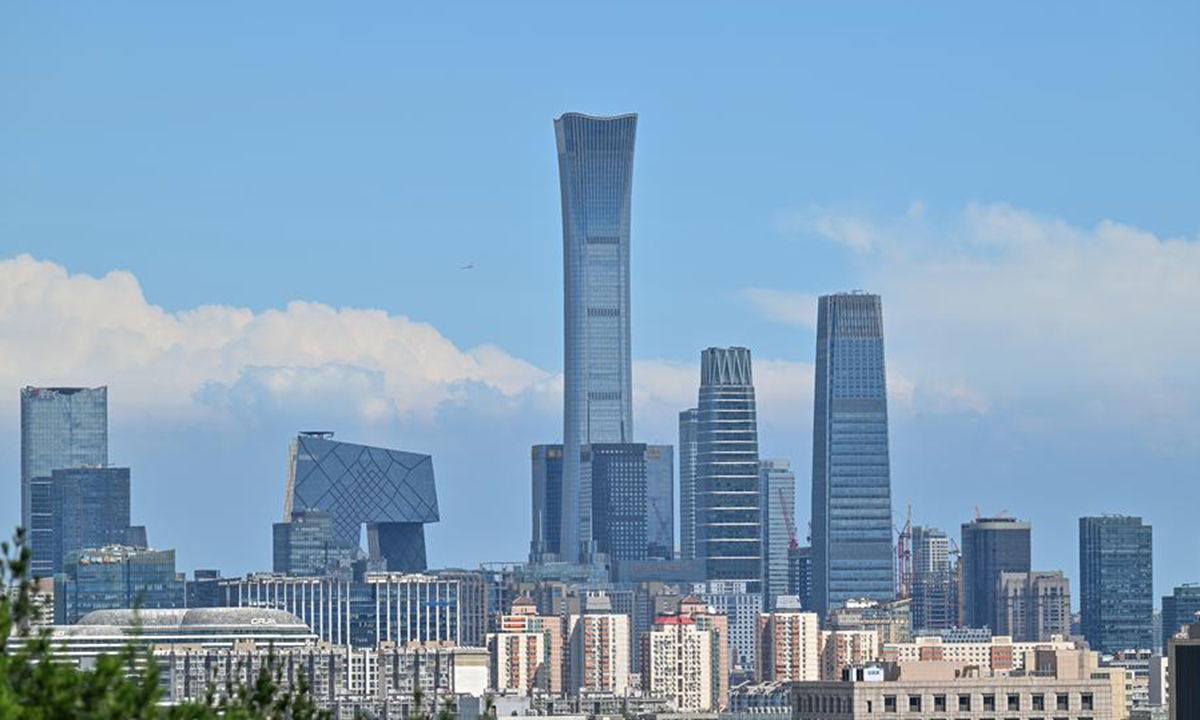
392, 491
778, 498
616, 474
595, 165
660, 501
547, 462
990, 546
689, 420
61, 428
1180, 608
87, 507
728, 524
1116, 583
851, 486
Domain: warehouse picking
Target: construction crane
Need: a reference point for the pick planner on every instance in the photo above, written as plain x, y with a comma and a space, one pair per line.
904, 568
788, 521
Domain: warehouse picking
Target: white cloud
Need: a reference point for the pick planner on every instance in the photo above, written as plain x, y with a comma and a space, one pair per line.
996, 303
62, 328
784, 306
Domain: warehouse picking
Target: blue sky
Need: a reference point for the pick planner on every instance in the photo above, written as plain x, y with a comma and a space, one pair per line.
1017, 180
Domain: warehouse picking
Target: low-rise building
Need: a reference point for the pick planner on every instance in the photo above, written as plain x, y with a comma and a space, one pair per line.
999, 654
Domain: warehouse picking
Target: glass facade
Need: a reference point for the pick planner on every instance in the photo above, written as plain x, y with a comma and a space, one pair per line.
800, 574
86, 507
595, 163
1116, 583
616, 474
391, 491
851, 488
1181, 607
60, 428
778, 511
660, 501
990, 546
728, 524
547, 461
304, 545
116, 577
689, 420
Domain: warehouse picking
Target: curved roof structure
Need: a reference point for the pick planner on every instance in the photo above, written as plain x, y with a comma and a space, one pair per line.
184, 618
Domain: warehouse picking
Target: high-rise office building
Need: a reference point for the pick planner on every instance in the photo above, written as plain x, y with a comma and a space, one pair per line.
305, 545
116, 577
61, 428
616, 474
778, 508
1116, 583
391, 491
660, 501
990, 546
1180, 608
689, 422
547, 461
741, 608
800, 574
83, 508
595, 165
728, 525
934, 582
1033, 606
851, 486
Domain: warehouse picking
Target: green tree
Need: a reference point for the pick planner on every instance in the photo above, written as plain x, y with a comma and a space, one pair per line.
34, 685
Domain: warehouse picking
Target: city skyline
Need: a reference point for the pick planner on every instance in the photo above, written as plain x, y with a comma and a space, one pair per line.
235, 370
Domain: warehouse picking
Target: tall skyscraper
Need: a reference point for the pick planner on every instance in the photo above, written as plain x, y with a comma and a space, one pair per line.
61, 428
935, 583
689, 422
616, 474
1180, 608
990, 546
86, 508
595, 165
392, 491
547, 461
728, 525
851, 486
1116, 583
778, 499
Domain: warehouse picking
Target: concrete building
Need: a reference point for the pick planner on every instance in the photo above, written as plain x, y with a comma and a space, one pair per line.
1033, 606
842, 649
741, 607
717, 625
990, 546
789, 642
677, 663
890, 621
934, 582
999, 654
527, 651
599, 647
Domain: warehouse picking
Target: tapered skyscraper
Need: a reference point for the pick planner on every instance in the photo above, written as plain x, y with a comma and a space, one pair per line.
595, 168
728, 491
851, 479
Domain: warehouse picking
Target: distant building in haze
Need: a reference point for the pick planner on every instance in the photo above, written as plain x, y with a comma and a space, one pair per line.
61, 428
689, 423
934, 583
777, 512
728, 525
83, 508
990, 546
1116, 583
547, 461
1033, 606
1180, 608
305, 545
800, 574
852, 551
660, 501
116, 577
595, 168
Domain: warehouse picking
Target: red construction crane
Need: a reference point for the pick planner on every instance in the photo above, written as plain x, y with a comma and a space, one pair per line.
788, 521
904, 568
